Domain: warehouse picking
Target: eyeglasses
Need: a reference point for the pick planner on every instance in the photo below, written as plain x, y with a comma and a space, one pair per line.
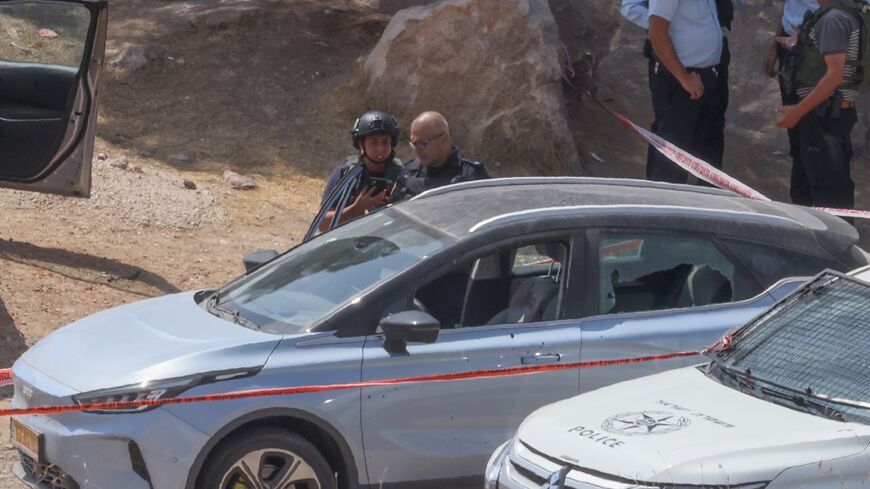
422, 143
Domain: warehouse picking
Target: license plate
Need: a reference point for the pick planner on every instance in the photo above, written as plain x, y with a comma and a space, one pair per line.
27, 440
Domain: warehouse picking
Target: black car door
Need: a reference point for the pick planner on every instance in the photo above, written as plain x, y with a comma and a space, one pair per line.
51, 55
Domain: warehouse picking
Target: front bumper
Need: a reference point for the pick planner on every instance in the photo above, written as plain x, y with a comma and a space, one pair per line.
521, 468
102, 451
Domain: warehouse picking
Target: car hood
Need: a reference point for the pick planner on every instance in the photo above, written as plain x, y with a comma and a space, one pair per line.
683, 427
160, 338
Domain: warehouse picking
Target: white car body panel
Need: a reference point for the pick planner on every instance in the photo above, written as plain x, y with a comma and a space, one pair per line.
709, 434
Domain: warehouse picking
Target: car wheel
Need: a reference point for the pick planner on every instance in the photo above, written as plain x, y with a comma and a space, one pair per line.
267, 458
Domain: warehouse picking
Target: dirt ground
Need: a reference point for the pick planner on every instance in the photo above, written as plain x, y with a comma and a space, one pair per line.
245, 85
254, 99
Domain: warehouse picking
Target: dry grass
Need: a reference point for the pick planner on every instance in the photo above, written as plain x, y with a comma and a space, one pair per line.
20, 40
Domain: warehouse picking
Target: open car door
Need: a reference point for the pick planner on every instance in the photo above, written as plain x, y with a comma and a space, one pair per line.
51, 56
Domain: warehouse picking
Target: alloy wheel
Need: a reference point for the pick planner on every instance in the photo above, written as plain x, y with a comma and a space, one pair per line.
270, 469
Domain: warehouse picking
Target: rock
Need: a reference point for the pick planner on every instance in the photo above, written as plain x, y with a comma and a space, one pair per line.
222, 16
501, 62
239, 182
189, 184
390, 6
179, 159
102, 156
122, 163
46, 33
129, 58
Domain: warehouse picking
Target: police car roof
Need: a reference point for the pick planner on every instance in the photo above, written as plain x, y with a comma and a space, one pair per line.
467, 208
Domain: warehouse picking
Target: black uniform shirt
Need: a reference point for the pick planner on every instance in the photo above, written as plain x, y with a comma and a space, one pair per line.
392, 172
419, 178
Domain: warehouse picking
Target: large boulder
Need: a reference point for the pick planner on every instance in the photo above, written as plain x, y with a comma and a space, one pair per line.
492, 67
390, 6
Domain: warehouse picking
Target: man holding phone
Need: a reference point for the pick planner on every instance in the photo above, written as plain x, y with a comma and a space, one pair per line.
375, 135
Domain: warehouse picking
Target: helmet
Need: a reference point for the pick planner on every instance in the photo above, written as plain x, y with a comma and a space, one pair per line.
374, 122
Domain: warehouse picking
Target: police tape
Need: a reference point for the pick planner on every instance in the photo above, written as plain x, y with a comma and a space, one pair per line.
695, 166
286, 391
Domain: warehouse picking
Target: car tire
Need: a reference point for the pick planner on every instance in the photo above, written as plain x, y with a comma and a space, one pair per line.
283, 460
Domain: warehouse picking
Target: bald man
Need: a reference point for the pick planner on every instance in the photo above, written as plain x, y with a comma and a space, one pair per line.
438, 162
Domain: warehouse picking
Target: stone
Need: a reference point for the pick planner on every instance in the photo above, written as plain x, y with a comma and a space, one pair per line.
189, 184
122, 163
179, 159
129, 58
492, 67
239, 182
222, 16
390, 6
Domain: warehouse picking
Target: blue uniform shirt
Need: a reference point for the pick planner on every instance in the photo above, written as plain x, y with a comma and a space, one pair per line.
637, 11
694, 30
793, 13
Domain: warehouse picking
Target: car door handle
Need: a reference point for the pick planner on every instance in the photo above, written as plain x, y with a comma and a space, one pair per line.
539, 359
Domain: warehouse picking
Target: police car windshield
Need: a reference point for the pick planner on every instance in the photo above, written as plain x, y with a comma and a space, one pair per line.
815, 344
297, 290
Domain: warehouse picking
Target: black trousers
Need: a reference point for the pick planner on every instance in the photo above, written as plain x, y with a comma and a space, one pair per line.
715, 139
800, 186
693, 125
825, 160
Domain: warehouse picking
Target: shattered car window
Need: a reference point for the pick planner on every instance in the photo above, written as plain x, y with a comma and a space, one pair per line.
297, 290
647, 271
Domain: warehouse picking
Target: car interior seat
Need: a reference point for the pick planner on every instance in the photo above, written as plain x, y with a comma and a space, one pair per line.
704, 286
535, 298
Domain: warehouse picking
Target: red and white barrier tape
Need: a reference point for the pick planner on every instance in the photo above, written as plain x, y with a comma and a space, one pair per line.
284, 391
692, 164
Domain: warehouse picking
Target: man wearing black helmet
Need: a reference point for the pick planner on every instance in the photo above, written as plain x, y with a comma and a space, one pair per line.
375, 135
438, 161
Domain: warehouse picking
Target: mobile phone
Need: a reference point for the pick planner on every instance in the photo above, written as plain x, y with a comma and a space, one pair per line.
381, 184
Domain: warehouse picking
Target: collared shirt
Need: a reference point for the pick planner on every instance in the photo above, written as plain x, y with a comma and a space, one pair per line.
793, 13
694, 30
637, 11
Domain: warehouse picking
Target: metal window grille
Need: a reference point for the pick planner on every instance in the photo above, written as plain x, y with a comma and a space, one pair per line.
819, 340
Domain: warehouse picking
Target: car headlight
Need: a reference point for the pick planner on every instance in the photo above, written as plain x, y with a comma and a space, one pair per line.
154, 390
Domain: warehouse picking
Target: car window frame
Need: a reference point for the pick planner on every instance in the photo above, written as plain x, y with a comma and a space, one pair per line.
464, 251
80, 137
593, 260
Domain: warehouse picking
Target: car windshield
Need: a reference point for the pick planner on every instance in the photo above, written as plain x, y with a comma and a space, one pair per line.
297, 290
811, 350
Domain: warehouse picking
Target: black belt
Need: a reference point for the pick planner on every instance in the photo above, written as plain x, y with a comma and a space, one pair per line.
710, 69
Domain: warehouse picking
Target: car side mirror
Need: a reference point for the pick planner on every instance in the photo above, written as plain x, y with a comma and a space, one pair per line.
257, 259
408, 327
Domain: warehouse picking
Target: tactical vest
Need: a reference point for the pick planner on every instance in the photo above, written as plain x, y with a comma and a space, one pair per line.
393, 172
804, 65
416, 178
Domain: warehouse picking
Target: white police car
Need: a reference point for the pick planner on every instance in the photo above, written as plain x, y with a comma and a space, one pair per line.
786, 405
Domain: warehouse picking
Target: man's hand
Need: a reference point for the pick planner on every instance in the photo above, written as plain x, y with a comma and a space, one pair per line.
694, 86
790, 117
768, 65
370, 198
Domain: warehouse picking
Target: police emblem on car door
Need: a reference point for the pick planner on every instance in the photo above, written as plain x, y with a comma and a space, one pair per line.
51, 54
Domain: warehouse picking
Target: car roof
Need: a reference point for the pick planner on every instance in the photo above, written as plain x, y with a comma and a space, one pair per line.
463, 209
